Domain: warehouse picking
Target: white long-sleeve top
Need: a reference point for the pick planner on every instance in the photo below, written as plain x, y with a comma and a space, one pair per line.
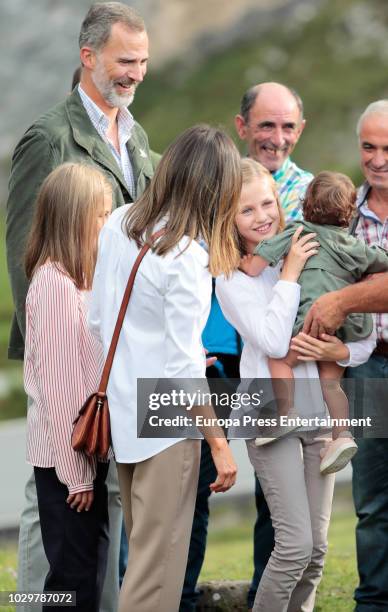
62, 367
263, 310
161, 333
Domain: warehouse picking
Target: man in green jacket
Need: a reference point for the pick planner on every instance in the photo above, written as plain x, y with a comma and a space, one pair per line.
92, 124
84, 127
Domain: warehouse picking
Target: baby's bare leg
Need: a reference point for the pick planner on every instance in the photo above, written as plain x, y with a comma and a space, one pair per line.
342, 448
330, 374
283, 383
283, 388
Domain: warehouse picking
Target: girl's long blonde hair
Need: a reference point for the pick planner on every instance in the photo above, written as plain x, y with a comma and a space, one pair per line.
195, 193
252, 169
64, 225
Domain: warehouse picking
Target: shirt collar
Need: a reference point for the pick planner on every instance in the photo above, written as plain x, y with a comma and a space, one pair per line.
126, 122
362, 203
282, 170
99, 119
362, 194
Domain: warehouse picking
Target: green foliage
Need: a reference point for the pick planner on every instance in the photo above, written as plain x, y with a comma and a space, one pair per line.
336, 61
334, 55
6, 298
12, 399
14, 404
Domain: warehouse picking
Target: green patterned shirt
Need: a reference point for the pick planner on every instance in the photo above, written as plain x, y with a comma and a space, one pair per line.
292, 183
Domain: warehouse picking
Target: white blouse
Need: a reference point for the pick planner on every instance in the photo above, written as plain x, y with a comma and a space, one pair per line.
161, 333
263, 310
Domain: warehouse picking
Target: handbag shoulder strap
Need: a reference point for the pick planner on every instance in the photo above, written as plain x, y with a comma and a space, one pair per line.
123, 308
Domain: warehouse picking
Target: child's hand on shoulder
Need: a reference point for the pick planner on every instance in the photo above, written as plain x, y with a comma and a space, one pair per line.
302, 248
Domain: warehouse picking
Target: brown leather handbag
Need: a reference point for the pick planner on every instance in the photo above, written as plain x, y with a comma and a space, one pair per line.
91, 433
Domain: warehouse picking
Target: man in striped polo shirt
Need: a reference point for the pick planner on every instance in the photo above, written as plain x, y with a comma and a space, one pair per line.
271, 122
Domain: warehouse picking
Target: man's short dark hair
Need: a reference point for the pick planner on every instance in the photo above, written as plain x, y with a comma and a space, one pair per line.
249, 98
97, 25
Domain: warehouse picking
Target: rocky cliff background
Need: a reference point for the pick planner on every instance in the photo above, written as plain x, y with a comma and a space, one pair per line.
333, 52
40, 44
204, 54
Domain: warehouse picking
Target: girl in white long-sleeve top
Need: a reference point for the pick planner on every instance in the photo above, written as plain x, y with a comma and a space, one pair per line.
62, 367
263, 310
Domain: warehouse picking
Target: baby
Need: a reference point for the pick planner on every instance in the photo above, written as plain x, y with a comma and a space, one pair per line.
341, 260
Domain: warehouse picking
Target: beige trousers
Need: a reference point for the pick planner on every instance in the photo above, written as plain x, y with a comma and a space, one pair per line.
299, 500
158, 497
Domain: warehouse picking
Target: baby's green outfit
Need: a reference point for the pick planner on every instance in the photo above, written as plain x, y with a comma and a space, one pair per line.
341, 260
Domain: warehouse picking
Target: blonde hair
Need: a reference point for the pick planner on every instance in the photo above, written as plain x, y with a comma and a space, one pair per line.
330, 200
251, 170
195, 192
65, 221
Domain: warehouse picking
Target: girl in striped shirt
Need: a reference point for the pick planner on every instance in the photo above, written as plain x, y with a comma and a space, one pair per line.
62, 367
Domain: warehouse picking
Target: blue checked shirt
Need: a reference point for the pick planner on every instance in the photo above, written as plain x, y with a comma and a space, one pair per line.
125, 125
292, 183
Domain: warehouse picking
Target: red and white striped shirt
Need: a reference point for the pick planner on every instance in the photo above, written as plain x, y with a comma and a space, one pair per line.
62, 367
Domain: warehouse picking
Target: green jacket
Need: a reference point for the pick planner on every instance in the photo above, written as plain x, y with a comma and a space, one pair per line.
64, 133
341, 260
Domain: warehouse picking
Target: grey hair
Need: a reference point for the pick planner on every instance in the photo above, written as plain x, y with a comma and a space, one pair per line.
97, 25
250, 96
380, 107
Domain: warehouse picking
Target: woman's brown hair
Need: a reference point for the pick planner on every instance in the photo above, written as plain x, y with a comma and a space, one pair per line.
330, 200
194, 193
65, 221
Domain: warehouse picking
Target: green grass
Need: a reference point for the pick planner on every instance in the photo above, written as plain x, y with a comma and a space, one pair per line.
340, 575
7, 571
229, 552
229, 557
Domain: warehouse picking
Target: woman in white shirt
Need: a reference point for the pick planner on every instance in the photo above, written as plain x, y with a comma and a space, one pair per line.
263, 310
193, 195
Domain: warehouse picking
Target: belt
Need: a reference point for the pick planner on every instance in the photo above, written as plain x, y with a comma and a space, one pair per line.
381, 349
